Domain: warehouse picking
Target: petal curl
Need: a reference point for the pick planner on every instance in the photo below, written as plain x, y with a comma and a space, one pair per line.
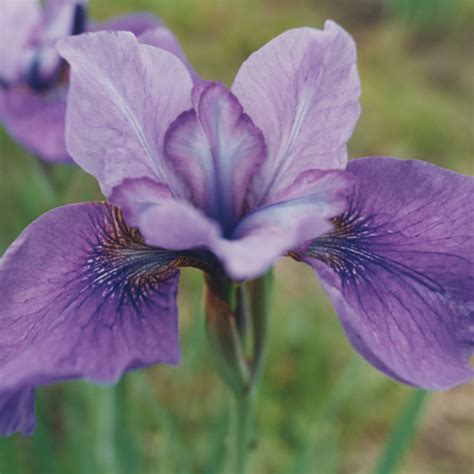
302, 90
83, 296
123, 96
399, 268
135, 195
217, 149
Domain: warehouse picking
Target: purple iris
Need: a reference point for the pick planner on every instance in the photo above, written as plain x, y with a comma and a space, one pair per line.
34, 78
229, 181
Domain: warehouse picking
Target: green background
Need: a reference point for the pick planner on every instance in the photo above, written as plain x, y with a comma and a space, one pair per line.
321, 408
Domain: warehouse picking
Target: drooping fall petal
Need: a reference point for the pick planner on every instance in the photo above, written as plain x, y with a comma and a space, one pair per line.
399, 268
82, 296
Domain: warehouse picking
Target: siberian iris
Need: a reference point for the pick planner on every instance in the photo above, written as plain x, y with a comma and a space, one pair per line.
229, 181
34, 78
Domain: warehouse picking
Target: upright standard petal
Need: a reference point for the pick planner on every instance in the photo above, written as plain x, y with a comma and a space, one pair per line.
302, 90
122, 98
217, 149
82, 296
164, 38
399, 268
18, 19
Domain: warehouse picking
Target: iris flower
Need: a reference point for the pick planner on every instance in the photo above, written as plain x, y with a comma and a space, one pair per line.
228, 181
34, 78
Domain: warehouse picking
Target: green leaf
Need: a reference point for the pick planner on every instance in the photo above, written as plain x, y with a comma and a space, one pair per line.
402, 434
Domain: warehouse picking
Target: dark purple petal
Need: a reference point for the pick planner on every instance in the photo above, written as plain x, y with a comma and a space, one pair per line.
36, 121
302, 90
217, 149
122, 97
399, 268
17, 412
83, 296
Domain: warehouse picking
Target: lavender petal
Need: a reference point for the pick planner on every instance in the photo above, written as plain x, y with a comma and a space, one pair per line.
302, 90
122, 97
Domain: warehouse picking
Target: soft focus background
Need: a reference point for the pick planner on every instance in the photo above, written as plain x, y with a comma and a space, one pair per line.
321, 408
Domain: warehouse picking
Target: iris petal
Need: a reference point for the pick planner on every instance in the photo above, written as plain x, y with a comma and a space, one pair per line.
399, 269
83, 296
16, 23
302, 90
217, 149
36, 120
141, 89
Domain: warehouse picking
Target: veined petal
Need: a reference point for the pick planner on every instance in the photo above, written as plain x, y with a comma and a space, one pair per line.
83, 296
36, 121
217, 149
123, 96
17, 22
302, 90
399, 268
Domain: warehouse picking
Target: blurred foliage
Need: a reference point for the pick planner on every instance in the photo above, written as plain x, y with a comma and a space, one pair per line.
321, 409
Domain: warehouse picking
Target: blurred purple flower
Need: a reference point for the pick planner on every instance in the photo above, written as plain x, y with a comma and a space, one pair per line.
231, 180
34, 78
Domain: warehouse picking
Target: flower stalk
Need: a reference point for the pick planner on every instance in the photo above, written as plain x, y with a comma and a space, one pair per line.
233, 313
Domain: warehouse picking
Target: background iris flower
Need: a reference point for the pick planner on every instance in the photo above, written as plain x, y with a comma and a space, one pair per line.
34, 78
228, 181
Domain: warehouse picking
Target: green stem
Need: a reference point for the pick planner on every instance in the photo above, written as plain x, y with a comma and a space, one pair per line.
43, 174
260, 293
259, 307
106, 401
230, 312
242, 429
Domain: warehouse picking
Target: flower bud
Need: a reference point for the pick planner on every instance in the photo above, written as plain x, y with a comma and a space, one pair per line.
223, 309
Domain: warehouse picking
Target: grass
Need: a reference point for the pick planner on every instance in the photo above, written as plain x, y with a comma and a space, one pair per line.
321, 408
